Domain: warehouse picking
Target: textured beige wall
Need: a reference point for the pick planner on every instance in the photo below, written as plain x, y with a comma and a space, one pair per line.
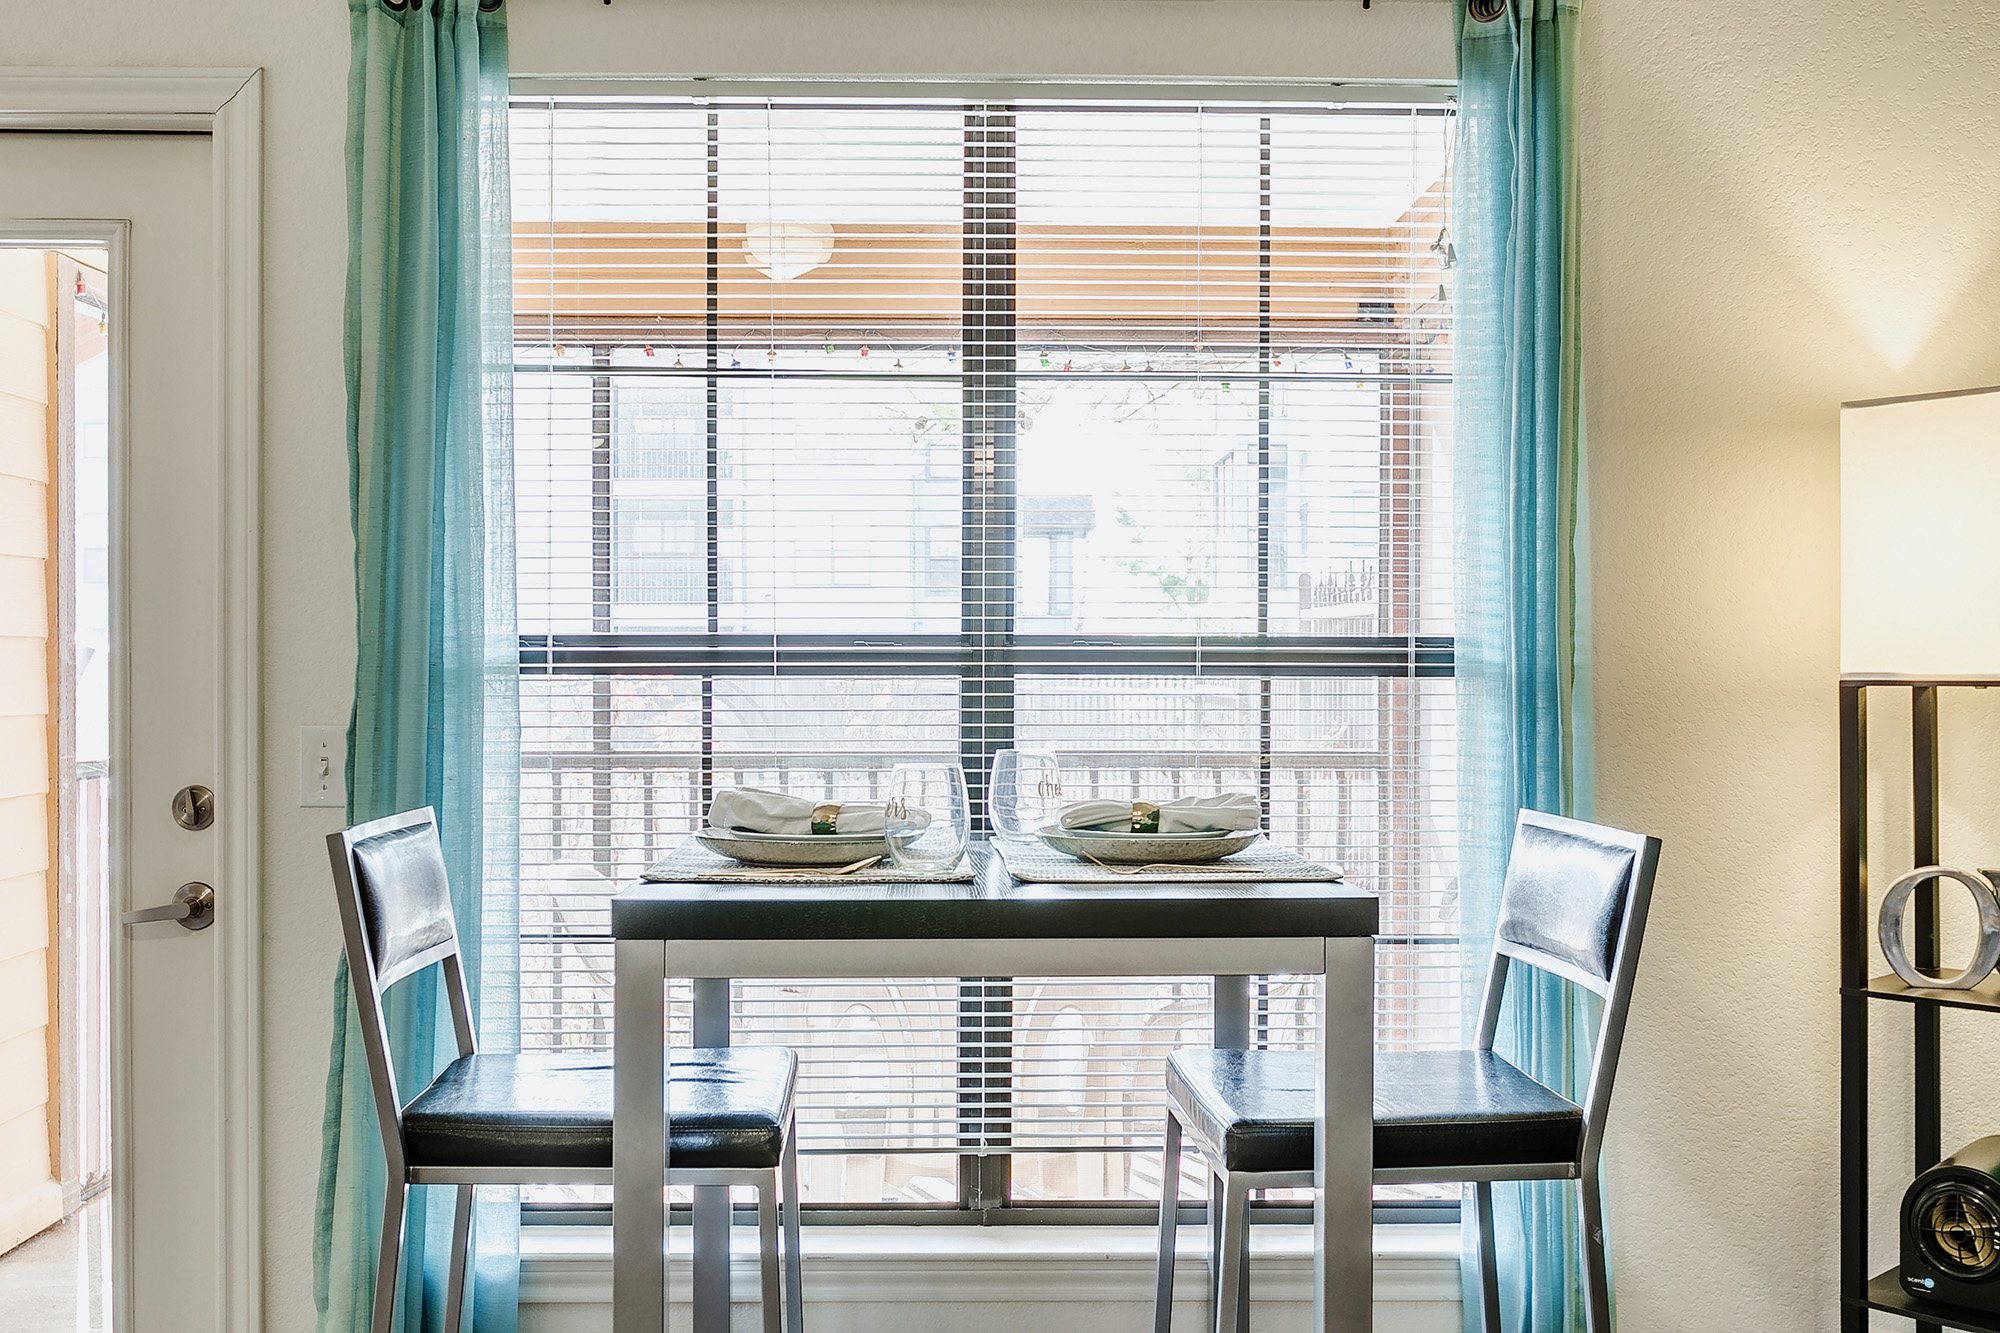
1302, 39
1786, 206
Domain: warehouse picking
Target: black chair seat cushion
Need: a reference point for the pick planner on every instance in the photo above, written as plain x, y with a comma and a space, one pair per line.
1432, 1109
729, 1108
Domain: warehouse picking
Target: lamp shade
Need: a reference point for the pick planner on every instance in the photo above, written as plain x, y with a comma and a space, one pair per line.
1920, 537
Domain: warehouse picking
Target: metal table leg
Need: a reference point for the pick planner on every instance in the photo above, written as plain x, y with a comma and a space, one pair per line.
712, 1209
1232, 1013
639, 1147
1230, 1010
1344, 1141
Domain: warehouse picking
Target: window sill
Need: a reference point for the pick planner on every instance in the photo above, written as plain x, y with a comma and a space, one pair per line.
1414, 1264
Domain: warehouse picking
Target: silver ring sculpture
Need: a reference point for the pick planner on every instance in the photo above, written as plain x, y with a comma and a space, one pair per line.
1890, 928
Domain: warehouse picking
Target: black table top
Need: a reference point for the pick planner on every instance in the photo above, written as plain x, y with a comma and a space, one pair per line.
995, 906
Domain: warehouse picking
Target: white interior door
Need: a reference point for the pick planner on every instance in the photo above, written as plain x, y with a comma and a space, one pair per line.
147, 200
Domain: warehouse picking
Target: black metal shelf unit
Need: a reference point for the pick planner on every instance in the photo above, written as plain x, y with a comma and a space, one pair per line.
1861, 1292
1885, 1292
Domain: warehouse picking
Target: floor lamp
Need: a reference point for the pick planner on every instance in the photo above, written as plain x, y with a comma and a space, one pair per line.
1919, 611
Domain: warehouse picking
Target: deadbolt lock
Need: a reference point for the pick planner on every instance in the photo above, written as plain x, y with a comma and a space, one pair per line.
194, 808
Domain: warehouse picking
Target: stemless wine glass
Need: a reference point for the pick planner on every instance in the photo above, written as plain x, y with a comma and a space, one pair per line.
926, 817
1025, 793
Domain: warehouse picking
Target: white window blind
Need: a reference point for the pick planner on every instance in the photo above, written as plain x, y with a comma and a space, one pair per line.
849, 432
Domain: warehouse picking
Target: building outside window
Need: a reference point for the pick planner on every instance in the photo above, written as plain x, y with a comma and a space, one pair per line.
856, 431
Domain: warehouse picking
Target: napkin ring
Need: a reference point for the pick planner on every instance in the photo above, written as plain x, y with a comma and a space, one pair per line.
826, 819
1145, 817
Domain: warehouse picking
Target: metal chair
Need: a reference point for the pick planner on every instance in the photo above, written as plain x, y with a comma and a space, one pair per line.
536, 1117
1573, 904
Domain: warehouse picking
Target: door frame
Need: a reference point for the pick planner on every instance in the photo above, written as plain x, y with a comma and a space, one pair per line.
227, 105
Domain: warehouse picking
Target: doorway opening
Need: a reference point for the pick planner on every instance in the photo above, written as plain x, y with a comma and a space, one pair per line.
55, 780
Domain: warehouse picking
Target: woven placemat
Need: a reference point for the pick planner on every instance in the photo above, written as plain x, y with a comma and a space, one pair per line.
692, 862
1037, 863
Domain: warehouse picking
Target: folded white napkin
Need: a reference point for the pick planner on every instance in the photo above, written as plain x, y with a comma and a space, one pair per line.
757, 811
1187, 814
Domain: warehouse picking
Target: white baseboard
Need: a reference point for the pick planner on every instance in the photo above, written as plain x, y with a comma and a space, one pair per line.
1051, 1279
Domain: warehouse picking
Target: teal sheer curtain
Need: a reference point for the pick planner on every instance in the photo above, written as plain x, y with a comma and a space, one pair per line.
429, 345
1523, 651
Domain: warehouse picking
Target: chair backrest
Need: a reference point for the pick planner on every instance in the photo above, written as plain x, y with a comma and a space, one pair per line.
396, 917
1574, 904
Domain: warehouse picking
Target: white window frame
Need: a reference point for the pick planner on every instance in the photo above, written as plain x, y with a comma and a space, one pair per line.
983, 1184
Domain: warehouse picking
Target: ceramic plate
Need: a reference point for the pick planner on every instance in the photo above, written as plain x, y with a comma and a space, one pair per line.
770, 850
1127, 834
845, 839
1145, 848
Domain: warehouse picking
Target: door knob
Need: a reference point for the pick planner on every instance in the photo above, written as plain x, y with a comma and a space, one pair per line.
193, 906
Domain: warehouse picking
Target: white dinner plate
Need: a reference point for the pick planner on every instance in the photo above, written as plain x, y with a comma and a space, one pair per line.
842, 838
767, 849
1117, 833
1148, 848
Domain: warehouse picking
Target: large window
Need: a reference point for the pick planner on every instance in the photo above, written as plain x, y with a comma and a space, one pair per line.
855, 431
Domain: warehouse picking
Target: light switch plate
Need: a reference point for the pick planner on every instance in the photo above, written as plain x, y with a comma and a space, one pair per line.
323, 766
